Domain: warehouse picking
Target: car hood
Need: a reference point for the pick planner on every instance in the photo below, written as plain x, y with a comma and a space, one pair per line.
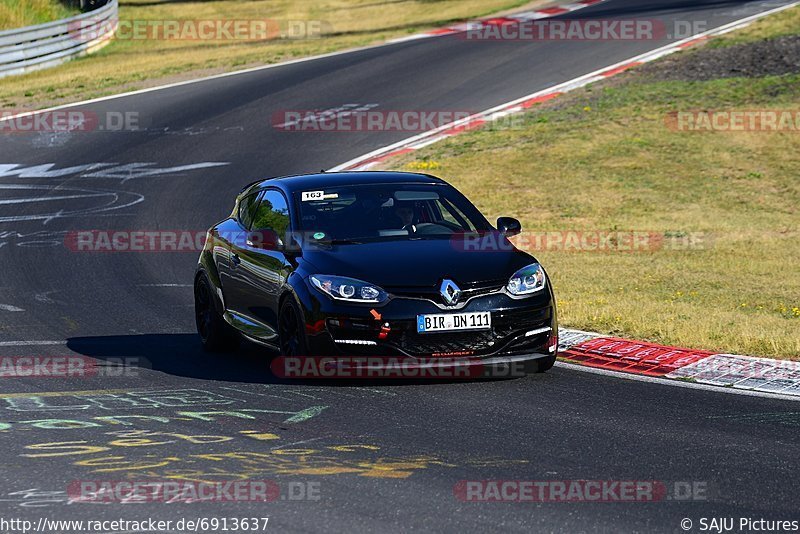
416, 263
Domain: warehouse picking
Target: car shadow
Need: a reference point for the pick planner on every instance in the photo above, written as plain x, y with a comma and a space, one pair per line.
183, 355
179, 355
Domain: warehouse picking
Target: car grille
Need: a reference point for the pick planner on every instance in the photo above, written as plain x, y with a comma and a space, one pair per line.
432, 293
447, 343
505, 327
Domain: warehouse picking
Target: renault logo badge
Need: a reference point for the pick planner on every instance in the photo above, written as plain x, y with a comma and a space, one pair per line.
450, 292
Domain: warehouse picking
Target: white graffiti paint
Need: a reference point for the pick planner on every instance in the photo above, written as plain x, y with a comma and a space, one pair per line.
116, 401
10, 308
38, 239
327, 114
105, 201
44, 297
116, 171
35, 498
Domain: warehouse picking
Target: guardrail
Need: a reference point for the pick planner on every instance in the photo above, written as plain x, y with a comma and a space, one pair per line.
46, 45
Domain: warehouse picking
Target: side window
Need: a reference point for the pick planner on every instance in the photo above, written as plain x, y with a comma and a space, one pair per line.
246, 209
272, 213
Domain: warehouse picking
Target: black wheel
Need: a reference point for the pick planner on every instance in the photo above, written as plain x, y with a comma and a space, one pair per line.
215, 334
540, 365
291, 330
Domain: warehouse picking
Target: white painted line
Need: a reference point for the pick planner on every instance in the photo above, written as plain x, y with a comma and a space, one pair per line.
562, 87
410, 38
10, 308
532, 15
30, 343
743, 372
568, 338
426, 142
675, 383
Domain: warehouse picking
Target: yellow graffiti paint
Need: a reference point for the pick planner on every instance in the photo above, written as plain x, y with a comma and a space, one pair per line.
295, 452
323, 471
262, 436
111, 464
137, 442
352, 448
67, 448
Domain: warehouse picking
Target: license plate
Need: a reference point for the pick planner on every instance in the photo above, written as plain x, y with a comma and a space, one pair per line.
451, 322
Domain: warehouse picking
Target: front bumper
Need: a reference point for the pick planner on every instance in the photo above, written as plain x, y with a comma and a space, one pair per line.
522, 328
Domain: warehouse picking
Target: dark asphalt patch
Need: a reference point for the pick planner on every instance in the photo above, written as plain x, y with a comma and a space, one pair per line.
770, 57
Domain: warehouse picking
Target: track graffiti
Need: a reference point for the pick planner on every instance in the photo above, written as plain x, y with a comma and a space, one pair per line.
114, 401
291, 417
114, 171
360, 459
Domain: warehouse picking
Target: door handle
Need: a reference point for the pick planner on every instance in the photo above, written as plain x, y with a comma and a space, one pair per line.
235, 259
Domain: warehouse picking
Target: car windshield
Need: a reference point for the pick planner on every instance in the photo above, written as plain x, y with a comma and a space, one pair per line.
386, 211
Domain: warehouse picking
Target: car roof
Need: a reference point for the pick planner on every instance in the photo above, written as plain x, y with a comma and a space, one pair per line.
306, 182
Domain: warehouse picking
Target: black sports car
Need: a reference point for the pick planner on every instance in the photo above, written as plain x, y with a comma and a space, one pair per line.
372, 263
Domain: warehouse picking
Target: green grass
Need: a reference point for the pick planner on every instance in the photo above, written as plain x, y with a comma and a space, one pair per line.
602, 158
19, 13
781, 24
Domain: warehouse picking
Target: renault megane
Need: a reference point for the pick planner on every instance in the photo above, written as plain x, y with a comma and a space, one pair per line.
377, 263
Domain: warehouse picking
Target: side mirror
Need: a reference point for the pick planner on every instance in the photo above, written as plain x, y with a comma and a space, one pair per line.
509, 226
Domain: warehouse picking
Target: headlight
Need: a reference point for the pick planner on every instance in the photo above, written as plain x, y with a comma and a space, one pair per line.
348, 289
527, 280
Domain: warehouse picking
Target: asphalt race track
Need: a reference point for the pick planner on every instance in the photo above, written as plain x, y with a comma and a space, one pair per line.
382, 457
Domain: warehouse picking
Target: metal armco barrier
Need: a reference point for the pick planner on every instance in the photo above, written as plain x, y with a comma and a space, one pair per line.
46, 45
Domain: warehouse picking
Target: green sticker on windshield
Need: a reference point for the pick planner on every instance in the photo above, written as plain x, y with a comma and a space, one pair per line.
319, 235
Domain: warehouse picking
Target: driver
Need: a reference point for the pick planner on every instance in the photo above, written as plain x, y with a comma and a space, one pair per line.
405, 212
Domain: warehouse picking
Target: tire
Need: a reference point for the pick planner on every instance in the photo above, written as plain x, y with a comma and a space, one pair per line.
215, 334
540, 365
291, 330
